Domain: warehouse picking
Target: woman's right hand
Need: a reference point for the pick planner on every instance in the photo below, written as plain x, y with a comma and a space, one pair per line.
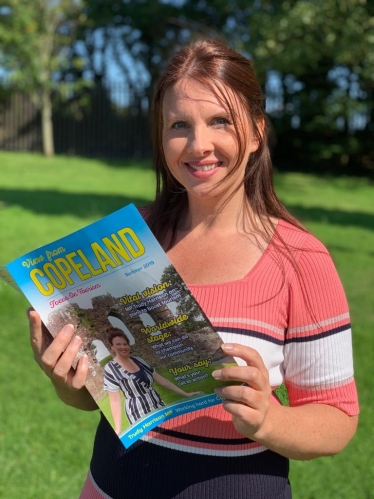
56, 356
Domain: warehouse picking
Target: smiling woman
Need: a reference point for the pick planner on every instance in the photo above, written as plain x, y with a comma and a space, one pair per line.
268, 286
200, 144
134, 377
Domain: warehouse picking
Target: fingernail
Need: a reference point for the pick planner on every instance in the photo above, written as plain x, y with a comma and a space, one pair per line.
76, 341
68, 329
227, 347
218, 392
217, 374
84, 359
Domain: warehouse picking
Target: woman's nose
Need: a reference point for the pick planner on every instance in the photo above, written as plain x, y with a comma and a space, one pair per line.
199, 141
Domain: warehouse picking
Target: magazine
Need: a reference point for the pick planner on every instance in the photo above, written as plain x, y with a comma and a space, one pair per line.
113, 276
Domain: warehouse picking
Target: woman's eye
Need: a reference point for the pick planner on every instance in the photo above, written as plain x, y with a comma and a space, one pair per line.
221, 121
179, 125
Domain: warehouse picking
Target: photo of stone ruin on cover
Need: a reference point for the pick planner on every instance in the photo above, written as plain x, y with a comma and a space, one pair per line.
91, 325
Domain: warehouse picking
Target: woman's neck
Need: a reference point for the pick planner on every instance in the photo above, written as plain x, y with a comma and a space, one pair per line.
124, 361
211, 215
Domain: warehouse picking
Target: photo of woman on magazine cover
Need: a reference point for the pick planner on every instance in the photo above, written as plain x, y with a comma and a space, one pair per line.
134, 377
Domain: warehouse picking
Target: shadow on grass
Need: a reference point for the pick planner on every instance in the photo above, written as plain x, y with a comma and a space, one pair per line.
113, 162
53, 202
333, 217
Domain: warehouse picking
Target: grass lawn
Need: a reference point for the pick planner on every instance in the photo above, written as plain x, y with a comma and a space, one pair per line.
45, 447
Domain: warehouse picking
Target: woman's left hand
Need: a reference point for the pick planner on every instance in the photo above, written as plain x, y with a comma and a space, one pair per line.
248, 403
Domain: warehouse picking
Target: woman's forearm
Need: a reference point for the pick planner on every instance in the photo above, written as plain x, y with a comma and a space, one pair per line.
304, 432
167, 384
80, 399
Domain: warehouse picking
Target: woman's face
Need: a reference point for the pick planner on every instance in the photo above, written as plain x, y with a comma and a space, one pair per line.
120, 346
200, 142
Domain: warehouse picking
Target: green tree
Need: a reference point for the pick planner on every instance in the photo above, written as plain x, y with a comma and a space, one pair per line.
140, 36
186, 303
35, 41
322, 52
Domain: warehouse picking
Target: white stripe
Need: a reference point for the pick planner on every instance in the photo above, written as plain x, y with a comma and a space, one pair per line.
251, 322
271, 354
326, 386
326, 322
308, 364
206, 452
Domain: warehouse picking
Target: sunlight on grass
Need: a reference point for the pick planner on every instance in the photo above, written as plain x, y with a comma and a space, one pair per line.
45, 445
340, 211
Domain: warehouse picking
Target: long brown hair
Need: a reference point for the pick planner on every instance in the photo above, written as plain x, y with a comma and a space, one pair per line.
215, 65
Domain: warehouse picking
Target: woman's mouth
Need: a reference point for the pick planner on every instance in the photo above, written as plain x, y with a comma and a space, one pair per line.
204, 168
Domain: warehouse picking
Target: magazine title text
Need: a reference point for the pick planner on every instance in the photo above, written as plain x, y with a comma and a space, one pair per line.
101, 256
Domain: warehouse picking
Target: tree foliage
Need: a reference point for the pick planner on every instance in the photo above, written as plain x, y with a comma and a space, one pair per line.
139, 37
315, 59
186, 303
322, 53
35, 41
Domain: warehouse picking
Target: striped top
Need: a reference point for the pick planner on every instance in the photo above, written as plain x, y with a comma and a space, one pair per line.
140, 397
292, 309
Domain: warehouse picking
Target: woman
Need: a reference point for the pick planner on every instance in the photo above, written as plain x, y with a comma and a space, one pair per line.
268, 286
134, 378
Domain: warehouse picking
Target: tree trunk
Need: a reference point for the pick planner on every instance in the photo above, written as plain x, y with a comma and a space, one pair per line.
47, 125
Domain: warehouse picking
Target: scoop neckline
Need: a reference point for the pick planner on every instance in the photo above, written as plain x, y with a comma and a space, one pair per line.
246, 276
126, 370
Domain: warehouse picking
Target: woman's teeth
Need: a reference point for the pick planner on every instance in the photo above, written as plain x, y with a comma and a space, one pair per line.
204, 168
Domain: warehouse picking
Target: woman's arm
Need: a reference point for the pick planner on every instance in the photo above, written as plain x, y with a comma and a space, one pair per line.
55, 357
302, 432
168, 384
116, 408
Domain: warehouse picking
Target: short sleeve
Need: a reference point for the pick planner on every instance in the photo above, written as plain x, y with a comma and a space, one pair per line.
111, 383
318, 362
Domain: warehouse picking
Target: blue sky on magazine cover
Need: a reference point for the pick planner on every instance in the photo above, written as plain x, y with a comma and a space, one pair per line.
129, 278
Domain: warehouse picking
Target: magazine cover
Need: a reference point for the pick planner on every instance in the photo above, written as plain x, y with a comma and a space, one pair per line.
151, 349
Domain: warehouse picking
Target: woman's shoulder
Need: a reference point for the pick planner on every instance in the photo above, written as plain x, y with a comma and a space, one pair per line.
109, 368
138, 359
141, 362
306, 254
298, 238
109, 364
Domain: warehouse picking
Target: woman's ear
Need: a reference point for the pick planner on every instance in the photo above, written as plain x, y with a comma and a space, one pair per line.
257, 135
261, 126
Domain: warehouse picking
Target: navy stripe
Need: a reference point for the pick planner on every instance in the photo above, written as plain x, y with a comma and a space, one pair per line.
324, 334
250, 332
140, 397
133, 413
201, 439
143, 402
